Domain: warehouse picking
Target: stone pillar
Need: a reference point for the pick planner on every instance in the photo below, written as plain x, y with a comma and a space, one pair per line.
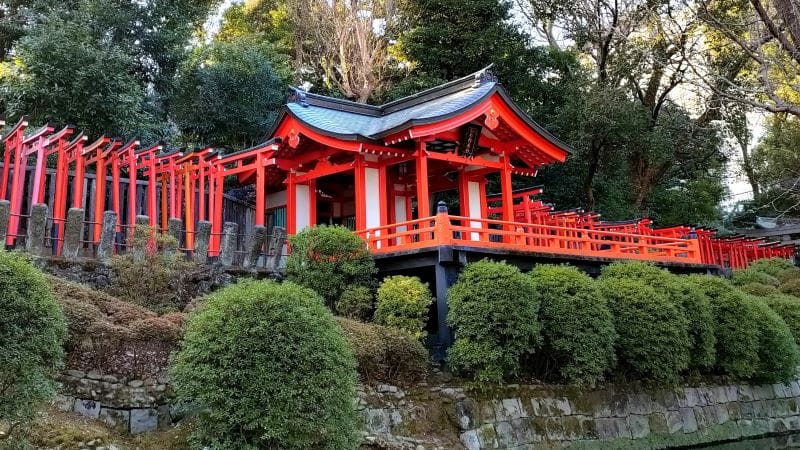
175, 229
109, 229
202, 235
141, 237
5, 214
37, 227
73, 234
227, 246
275, 250
256, 244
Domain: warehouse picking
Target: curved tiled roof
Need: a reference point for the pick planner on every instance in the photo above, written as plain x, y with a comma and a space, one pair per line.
359, 122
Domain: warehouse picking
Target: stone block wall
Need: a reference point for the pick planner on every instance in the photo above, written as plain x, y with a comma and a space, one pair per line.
621, 416
134, 406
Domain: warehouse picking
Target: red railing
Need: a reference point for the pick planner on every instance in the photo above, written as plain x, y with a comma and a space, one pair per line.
445, 229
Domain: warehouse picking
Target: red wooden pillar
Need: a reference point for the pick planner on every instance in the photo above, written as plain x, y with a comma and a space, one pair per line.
173, 192
291, 204
360, 193
17, 185
152, 180
100, 196
423, 197
260, 191
506, 190
165, 211
132, 179
39, 171
188, 187
216, 221
115, 188
312, 203
11, 147
60, 195
201, 190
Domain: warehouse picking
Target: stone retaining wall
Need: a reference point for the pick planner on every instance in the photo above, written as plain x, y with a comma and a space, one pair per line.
527, 417
134, 406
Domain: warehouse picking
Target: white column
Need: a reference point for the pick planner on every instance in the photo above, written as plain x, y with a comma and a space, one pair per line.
400, 212
372, 196
303, 210
474, 196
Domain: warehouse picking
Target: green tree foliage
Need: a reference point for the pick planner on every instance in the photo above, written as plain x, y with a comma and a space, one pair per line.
329, 260
759, 290
494, 313
577, 328
63, 74
736, 327
774, 266
32, 334
385, 353
258, 343
750, 275
356, 302
788, 308
688, 297
778, 355
653, 342
229, 93
404, 302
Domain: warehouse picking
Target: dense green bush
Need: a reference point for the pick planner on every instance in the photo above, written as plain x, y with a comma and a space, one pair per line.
403, 302
791, 287
736, 328
356, 302
109, 335
759, 290
713, 287
32, 333
148, 276
777, 351
653, 341
788, 308
772, 266
751, 275
494, 312
329, 260
384, 353
577, 328
691, 300
268, 367
788, 275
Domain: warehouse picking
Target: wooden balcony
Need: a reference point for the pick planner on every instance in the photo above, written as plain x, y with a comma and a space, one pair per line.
447, 230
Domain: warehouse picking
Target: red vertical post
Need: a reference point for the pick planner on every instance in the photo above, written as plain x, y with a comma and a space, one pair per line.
100, 196
151, 189
11, 145
173, 192
201, 190
312, 202
39, 171
291, 204
60, 196
216, 221
189, 206
423, 197
115, 188
260, 190
132, 179
506, 189
17, 185
165, 211
360, 193
77, 186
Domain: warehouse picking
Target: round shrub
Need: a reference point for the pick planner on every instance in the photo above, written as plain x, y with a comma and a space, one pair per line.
403, 302
751, 275
577, 328
777, 351
384, 353
32, 333
788, 274
736, 328
759, 290
788, 308
494, 312
691, 301
653, 342
268, 367
772, 266
356, 302
791, 287
329, 260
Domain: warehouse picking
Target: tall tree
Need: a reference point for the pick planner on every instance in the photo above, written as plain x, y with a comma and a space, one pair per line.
229, 93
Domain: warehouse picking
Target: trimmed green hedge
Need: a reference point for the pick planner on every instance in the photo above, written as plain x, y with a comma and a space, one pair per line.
577, 328
752, 275
494, 313
653, 341
772, 266
356, 302
404, 302
736, 328
788, 308
759, 290
692, 302
777, 351
268, 367
329, 260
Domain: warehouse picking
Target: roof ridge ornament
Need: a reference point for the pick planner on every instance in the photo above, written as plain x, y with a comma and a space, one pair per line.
297, 95
484, 75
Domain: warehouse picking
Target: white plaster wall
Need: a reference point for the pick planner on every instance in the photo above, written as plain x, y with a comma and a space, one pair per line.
474, 196
303, 212
373, 197
400, 214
